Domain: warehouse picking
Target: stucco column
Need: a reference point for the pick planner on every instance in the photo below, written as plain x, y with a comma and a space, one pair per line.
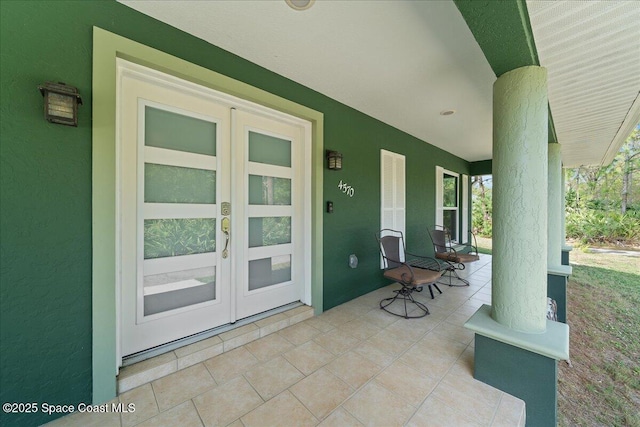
555, 215
520, 120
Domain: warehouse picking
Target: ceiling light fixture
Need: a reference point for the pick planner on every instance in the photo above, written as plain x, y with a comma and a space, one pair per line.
300, 4
447, 112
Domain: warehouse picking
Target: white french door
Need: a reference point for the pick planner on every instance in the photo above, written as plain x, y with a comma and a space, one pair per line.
211, 210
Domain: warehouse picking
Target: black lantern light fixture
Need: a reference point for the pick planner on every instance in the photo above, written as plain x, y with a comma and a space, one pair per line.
60, 103
334, 160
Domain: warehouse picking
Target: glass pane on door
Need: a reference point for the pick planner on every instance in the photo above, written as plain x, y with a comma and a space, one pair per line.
268, 231
176, 237
269, 190
269, 149
174, 184
173, 278
269, 271
172, 131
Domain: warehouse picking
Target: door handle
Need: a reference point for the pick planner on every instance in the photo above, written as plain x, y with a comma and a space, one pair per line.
224, 225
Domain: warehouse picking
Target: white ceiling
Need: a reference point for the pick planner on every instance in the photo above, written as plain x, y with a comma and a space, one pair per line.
591, 50
403, 62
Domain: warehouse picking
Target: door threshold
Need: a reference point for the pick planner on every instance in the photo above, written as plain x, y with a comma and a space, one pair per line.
149, 365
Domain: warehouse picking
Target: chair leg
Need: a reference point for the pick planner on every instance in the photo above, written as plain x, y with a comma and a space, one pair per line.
405, 295
431, 290
452, 270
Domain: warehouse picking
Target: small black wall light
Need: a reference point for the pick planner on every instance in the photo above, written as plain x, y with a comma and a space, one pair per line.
60, 103
334, 160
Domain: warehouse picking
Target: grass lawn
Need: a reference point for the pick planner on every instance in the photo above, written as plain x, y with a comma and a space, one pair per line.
601, 387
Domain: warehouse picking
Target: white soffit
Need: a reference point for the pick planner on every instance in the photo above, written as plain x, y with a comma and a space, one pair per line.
591, 50
401, 62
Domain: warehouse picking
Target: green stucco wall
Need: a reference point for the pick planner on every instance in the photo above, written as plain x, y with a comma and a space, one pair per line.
46, 275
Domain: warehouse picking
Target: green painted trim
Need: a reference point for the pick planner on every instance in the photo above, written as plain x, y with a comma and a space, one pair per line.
503, 32
483, 167
557, 290
103, 219
523, 374
553, 343
108, 47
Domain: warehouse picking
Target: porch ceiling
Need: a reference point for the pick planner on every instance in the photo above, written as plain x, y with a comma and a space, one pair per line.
403, 62
591, 50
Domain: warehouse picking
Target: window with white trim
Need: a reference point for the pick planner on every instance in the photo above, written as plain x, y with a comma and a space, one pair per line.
447, 201
392, 191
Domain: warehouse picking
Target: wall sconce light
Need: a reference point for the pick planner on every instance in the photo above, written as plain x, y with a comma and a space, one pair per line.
334, 160
60, 103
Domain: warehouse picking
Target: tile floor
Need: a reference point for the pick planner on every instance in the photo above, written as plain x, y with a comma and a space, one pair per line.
353, 365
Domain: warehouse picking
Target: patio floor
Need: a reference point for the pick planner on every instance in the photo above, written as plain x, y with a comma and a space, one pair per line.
353, 365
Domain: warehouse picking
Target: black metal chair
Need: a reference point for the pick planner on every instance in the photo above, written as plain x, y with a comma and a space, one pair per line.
453, 258
412, 278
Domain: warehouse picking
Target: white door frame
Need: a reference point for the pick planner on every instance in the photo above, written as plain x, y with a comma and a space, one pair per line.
159, 78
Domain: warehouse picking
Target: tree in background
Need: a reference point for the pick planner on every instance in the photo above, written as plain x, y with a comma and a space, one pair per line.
603, 202
630, 154
482, 203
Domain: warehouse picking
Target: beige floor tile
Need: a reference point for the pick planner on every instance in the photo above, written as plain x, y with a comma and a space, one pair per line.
360, 329
299, 333
237, 423
336, 341
434, 351
147, 364
308, 357
380, 318
321, 392
226, 403
145, 404
299, 310
354, 369
234, 333
407, 383
374, 354
391, 342
199, 346
374, 405
458, 318
272, 324
340, 418
319, 324
355, 308
283, 410
146, 371
464, 364
184, 415
454, 332
337, 316
182, 385
510, 412
435, 413
89, 419
409, 329
268, 347
273, 377
480, 400
231, 364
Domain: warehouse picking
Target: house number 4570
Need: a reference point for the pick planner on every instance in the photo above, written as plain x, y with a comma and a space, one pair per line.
346, 188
